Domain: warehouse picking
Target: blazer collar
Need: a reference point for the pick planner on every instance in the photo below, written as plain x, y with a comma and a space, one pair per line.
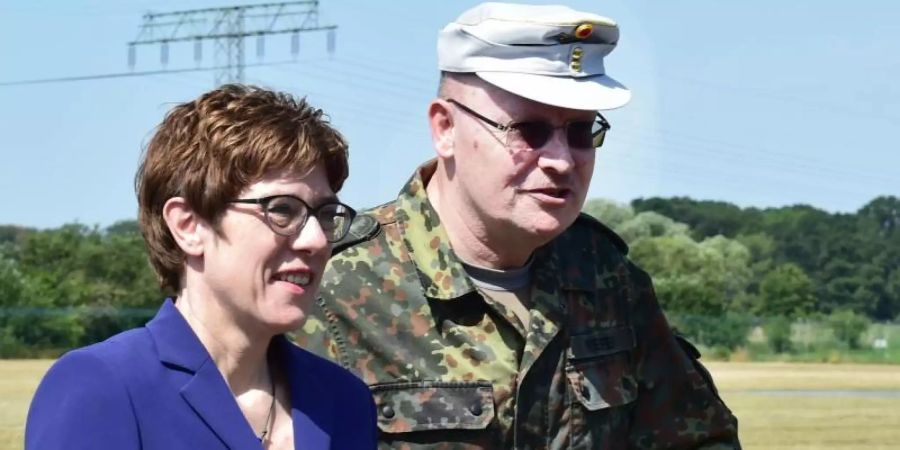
208, 394
205, 391
175, 341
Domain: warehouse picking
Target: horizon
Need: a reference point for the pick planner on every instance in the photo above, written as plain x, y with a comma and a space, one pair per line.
629, 204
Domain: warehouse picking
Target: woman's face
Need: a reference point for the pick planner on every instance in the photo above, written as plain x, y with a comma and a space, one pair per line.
262, 276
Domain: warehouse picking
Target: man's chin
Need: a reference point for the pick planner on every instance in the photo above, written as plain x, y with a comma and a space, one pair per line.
549, 226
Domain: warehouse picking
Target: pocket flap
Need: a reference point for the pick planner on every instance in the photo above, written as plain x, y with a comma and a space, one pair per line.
603, 383
405, 406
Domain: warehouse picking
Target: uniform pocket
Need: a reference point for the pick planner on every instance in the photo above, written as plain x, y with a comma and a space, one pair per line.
601, 384
602, 390
599, 370
406, 406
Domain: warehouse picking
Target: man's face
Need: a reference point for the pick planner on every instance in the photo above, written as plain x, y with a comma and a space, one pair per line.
540, 191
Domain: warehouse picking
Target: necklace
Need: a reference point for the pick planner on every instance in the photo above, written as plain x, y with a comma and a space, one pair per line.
271, 414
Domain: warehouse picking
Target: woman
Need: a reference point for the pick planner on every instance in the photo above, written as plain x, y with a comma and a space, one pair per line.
237, 205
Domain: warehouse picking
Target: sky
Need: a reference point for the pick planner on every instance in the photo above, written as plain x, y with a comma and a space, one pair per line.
761, 103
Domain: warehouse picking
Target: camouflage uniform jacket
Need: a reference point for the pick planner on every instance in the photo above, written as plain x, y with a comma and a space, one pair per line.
598, 369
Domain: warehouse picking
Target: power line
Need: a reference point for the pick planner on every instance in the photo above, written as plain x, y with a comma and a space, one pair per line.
103, 76
696, 174
759, 92
759, 156
345, 79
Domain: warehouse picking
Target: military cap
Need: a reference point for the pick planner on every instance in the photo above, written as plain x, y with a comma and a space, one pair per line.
549, 54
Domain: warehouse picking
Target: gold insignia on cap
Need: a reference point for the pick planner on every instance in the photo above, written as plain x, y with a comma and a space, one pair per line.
575, 62
584, 30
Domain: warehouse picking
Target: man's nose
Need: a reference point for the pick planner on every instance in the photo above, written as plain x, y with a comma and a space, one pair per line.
556, 155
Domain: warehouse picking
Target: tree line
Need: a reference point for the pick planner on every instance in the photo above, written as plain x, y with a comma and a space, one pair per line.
797, 259
721, 270
718, 268
71, 286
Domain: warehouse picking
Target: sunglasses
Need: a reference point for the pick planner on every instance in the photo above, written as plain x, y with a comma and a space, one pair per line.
534, 134
286, 215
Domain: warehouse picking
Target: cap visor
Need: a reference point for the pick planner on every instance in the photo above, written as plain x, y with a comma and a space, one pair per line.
595, 93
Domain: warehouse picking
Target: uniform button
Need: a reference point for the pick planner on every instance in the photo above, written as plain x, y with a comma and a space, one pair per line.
476, 409
387, 411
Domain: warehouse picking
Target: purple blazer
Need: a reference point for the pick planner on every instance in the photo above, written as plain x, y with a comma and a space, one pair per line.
156, 387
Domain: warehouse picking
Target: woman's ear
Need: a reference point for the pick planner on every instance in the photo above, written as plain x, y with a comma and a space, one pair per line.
184, 224
441, 123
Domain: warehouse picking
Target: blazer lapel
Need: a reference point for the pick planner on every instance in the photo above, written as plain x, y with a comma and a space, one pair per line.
210, 398
205, 390
308, 435
307, 404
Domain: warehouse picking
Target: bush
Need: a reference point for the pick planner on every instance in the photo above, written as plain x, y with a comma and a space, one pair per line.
10, 347
778, 334
848, 327
726, 332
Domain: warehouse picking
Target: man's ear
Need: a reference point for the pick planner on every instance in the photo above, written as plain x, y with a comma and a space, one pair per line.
441, 123
184, 224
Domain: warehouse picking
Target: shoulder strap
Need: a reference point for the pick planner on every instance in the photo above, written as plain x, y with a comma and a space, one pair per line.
363, 228
613, 237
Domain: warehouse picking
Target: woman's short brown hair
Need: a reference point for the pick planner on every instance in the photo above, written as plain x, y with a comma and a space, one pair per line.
210, 149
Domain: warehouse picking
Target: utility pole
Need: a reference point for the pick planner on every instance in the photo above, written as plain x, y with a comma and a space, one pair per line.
227, 27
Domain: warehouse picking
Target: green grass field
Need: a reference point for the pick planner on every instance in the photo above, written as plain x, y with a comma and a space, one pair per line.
777, 421
827, 422
18, 380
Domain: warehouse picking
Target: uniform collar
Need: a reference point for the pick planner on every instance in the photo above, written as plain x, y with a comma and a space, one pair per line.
568, 261
439, 269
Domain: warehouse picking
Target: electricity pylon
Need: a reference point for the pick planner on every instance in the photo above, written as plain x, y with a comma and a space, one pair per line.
227, 27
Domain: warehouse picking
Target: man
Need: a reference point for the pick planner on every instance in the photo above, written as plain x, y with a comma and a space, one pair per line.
481, 307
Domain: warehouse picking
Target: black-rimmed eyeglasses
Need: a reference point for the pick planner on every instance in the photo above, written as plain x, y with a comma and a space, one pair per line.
534, 134
286, 215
